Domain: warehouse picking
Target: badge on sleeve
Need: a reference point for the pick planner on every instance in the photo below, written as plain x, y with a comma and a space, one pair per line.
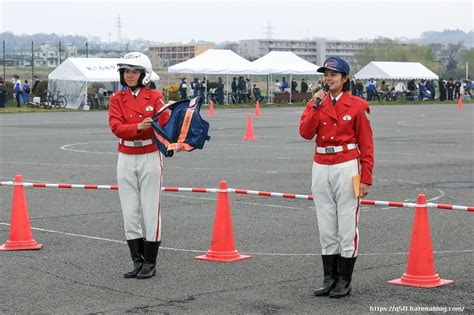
346, 118
367, 115
149, 108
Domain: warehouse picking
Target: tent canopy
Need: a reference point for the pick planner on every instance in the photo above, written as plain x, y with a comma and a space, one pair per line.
283, 62
75, 76
395, 71
89, 70
214, 61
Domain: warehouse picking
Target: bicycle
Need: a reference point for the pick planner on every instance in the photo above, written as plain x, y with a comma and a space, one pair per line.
54, 100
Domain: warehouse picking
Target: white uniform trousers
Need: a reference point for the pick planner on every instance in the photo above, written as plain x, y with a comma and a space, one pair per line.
139, 178
336, 207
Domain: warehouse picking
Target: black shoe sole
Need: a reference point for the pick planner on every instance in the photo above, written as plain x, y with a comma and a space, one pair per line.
340, 296
146, 277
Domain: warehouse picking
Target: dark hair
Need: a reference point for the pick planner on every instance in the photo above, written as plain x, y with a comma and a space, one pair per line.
346, 87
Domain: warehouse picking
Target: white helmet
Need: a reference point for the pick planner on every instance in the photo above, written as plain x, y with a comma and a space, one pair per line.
136, 61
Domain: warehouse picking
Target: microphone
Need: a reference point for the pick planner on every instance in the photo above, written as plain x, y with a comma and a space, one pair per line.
318, 100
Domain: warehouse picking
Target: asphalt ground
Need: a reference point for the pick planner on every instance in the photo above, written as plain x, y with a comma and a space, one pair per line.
418, 149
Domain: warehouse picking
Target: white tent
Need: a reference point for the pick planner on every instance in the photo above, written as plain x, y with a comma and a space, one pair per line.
73, 77
283, 62
395, 71
214, 61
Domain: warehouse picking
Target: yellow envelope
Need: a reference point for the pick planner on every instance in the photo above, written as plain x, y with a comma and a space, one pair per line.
356, 184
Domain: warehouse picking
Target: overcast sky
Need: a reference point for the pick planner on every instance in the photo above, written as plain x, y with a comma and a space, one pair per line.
231, 20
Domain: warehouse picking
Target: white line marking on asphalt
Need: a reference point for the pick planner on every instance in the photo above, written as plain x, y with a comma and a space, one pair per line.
248, 253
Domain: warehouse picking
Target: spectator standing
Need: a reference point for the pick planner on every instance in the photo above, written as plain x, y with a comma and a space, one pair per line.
248, 88
235, 89
183, 89
242, 90
257, 93
17, 89
450, 89
277, 86
294, 85
370, 88
26, 92
284, 84
196, 87
220, 91
442, 89
3, 93
431, 86
36, 82
304, 86
422, 89
360, 88
457, 89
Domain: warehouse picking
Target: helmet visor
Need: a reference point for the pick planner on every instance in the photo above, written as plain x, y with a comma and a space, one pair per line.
131, 67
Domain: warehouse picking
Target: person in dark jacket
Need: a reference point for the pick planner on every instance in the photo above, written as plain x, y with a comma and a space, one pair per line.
220, 91
457, 89
183, 89
3, 94
450, 89
304, 86
442, 89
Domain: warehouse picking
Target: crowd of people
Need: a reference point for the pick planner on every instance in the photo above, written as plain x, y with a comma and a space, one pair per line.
22, 92
422, 90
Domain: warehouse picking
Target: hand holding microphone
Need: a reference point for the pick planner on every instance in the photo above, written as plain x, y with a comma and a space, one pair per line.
321, 95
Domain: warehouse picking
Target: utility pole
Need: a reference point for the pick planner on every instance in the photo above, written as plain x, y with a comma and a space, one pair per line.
269, 31
32, 63
119, 31
87, 49
60, 53
4, 61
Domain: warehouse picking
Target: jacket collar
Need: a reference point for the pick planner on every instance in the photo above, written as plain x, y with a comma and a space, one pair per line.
343, 105
134, 103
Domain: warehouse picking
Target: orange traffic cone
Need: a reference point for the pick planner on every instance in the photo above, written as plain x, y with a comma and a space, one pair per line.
460, 103
211, 108
249, 133
20, 229
420, 270
222, 244
257, 108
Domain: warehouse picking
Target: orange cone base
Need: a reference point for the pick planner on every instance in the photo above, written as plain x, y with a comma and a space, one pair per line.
249, 138
421, 281
21, 245
222, 256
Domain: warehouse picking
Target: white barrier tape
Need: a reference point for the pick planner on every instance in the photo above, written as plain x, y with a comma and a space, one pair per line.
244, 192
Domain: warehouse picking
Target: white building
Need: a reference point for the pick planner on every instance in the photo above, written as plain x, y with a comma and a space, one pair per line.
48, 56
314, 51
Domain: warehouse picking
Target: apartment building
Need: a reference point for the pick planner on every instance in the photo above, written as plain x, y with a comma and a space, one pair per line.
314, 51
163, 56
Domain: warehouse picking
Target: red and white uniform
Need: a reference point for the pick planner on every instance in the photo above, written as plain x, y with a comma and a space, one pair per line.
344, 125
139, 166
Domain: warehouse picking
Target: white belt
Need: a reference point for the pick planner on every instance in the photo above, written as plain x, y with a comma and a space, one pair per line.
136, 143
332, 150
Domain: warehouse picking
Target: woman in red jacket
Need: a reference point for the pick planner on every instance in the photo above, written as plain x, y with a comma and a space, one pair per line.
139, 166
342, 171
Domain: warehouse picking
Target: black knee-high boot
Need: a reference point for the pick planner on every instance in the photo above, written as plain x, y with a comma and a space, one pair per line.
331, 274
136, 251
343, 284
149, 264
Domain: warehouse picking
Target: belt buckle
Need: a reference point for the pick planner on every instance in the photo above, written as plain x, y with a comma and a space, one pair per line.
137, 143
329, 150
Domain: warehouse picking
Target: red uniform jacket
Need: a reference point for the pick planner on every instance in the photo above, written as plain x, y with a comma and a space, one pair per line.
126, 111
346, 122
